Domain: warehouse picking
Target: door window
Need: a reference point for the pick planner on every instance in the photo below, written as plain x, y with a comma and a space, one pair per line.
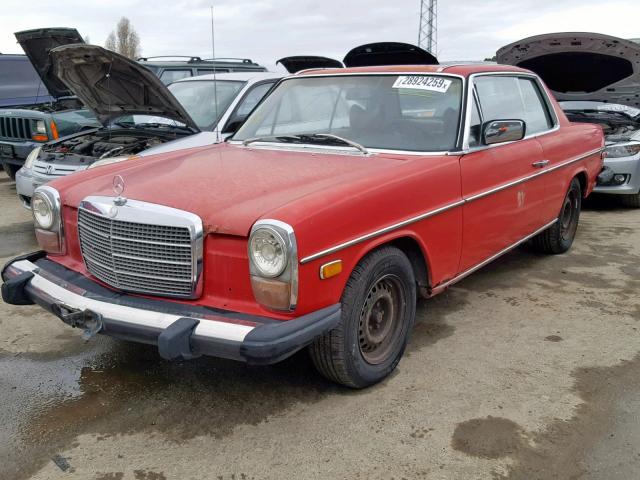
513, 98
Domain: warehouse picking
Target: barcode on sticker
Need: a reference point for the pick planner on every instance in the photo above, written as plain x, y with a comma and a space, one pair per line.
420, 82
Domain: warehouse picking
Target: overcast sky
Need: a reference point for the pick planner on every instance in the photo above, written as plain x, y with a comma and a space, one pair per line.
266, 30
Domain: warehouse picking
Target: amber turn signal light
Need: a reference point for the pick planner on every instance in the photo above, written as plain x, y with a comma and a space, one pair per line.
54, 130
271, 293
39, 138
330, 269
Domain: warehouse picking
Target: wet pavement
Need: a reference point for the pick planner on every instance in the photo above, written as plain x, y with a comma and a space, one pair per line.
529, 369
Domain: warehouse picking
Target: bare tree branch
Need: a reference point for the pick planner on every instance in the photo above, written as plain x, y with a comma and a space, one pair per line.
124, 40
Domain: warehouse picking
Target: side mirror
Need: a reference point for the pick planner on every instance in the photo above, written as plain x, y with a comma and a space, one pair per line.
500, 131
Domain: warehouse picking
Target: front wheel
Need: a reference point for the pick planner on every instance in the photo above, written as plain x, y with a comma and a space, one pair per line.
559, 237
378, 312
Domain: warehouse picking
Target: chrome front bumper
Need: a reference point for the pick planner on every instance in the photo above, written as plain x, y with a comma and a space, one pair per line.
180, 330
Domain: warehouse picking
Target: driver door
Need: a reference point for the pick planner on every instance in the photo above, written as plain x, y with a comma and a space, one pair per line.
503, 201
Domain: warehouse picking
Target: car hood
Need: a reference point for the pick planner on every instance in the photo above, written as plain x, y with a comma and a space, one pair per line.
580, 66
229, 186
303, 62
388, 53
38, 43
113, 86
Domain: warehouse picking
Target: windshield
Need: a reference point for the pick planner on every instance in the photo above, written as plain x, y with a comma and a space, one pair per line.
393, 112
198, 97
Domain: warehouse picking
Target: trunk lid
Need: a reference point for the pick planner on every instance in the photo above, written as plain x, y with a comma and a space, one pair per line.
112, 85
388, 53
580, 66
303, 62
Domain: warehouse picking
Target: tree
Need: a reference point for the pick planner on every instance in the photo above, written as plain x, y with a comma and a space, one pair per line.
124, 39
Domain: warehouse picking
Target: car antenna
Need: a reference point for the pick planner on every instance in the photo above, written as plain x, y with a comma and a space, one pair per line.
215, 82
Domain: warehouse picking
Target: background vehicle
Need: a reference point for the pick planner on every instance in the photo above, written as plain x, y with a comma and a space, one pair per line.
236, 95
597, 80
20, 84
341, 197
23, 129
175, 67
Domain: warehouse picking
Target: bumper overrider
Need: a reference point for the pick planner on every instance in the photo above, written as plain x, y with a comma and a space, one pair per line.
179, 330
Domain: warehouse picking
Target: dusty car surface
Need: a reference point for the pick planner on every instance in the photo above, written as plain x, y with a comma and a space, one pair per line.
28, 127
343, 196
216, 106
596, 78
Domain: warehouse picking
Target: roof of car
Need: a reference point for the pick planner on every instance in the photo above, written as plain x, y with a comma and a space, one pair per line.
464, 69
238, 76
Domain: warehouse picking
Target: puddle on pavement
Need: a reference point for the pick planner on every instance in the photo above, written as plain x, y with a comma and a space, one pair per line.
564, 449
119, 387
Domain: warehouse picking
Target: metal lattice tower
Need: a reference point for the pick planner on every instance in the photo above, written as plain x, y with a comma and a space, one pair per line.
428, 33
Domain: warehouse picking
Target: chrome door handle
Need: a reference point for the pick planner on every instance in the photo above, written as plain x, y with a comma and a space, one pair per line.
540, 163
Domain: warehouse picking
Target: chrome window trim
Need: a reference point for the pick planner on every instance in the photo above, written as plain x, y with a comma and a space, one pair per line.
472, 92
381, 231
444, 208
137, 211
281, 227
322, 149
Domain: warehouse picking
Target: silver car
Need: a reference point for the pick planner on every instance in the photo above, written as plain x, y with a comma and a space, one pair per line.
596, 79
190, 113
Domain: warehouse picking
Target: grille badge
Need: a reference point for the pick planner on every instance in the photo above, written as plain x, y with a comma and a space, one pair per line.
118, 189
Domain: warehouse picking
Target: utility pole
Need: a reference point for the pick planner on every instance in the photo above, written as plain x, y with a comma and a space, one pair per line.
428, 32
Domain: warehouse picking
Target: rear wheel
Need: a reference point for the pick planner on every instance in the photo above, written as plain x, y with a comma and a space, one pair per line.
559, 237
378, 312
631, 201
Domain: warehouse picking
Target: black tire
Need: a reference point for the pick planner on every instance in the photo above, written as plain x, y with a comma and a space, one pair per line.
559, 237
11, 170
630, 201
378, 313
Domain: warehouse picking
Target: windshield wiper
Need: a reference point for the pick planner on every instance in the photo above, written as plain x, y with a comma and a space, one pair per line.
325, 138
270, 138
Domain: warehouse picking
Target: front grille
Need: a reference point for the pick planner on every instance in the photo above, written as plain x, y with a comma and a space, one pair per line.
15, 128
138, 257
49, 171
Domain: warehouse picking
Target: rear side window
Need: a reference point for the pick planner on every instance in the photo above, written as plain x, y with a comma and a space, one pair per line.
170, 76
507, 98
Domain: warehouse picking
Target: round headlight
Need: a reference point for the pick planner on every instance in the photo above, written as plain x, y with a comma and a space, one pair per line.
268, 252
33, 154
42, 209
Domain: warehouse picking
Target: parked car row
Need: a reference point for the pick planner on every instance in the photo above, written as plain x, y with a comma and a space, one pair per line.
341, 193
55, 111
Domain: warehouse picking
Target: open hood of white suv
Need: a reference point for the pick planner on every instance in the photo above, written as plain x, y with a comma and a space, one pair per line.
113, 86
581, 66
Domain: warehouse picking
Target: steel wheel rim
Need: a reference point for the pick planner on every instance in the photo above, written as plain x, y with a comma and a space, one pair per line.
380, 322
569, 216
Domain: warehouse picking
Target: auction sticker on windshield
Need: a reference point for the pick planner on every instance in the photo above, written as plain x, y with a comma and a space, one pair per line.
420, 82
